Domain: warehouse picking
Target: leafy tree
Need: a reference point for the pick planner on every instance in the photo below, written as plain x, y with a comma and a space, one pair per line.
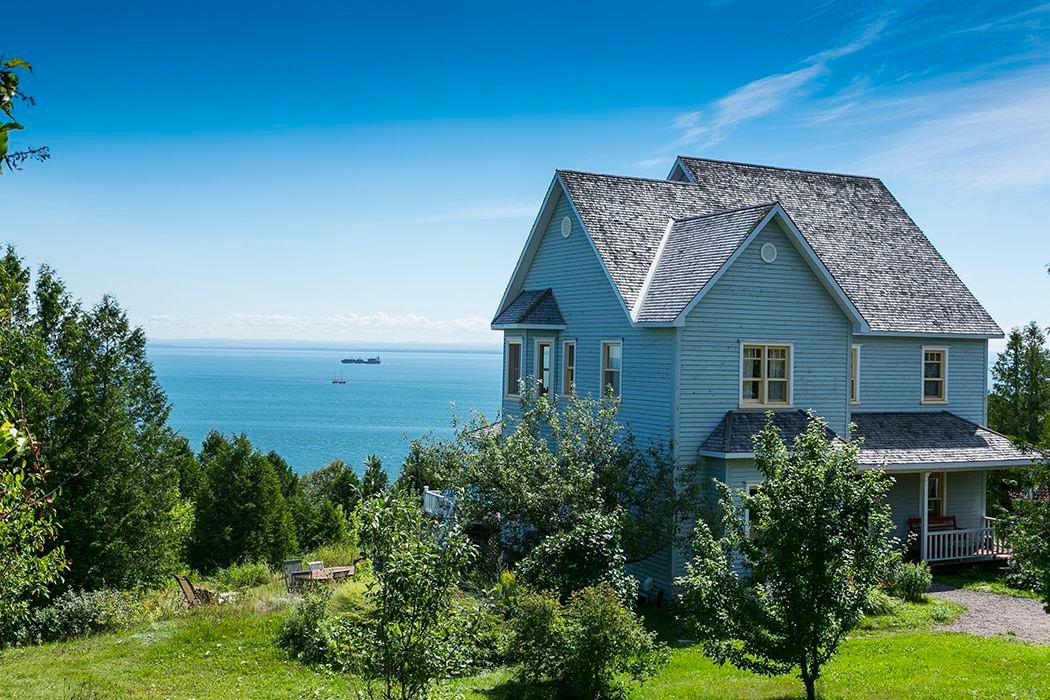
84, 381
10, 92
588, 554
1029, 536
31, 561
405, 641
336, 482
375, 480
241, 514
1019, 404
566, 457
788, 578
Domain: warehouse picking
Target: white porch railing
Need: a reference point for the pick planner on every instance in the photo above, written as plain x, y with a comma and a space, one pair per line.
974, 543
436, 503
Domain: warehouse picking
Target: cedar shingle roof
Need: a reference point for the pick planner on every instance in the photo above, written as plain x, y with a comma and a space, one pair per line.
889, 438
872, 248
531, 308
695, 249
929, 438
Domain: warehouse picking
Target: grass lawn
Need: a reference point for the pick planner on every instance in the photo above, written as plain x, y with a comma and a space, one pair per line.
982, 580
204, 654
229, 652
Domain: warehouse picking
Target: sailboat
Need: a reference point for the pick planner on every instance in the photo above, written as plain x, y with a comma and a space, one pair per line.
339, 379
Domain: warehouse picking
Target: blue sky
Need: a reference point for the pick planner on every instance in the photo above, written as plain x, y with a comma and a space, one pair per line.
369, 171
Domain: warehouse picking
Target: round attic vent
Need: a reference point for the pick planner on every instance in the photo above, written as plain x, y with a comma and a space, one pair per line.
566, 227
769, 252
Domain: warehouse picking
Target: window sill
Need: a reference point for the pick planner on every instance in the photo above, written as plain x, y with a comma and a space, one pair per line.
854, 403
933, 402
508, 397
766, 407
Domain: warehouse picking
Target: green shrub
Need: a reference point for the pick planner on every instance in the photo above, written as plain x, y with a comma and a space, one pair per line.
243, 576
77, 614
911, 581
588, 554
590, 647
505, 594
306, 635
879, 603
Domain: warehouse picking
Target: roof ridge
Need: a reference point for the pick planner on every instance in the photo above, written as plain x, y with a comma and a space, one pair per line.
661, 181
779, 167
764, 205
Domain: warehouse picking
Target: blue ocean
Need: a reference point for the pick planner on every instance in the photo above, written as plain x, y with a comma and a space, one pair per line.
283, 397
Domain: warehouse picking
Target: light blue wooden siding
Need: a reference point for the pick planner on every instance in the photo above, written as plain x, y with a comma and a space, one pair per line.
965, 495
904, 503
593, 313
779, 302
891, 375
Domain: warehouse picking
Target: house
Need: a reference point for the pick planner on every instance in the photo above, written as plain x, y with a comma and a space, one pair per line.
728, 290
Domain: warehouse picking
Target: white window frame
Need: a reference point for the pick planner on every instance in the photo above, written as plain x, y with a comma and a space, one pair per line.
854, 374
549, 342
790, 345
943, 480
566, 386
944, 376
601, 365
520, 342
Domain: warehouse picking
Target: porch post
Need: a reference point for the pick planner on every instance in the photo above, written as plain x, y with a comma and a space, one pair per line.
924, 500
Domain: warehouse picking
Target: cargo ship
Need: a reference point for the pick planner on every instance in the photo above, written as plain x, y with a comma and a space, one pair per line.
362, 360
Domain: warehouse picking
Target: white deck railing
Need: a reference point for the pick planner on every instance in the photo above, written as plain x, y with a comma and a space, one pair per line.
436, 503
975, 543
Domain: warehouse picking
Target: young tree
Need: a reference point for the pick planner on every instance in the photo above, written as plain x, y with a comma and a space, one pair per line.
1019, 403
788, 578
405, 641
10, 92
31, 561
241, 514
1029, 535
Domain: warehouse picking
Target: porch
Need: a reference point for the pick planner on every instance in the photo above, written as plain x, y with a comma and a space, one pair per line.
953, 526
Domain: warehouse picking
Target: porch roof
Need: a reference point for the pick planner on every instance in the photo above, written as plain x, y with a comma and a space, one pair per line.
932, 439
893, 441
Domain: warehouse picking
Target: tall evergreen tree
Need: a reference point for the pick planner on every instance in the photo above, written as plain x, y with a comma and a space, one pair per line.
375, 480
241, 514
83, 379
1019, 404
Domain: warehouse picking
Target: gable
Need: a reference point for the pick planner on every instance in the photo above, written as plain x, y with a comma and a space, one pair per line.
550, 256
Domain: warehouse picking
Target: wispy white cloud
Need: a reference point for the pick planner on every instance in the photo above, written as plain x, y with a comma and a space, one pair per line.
765, 95
480, 210
375, 327
649, 163
989, 135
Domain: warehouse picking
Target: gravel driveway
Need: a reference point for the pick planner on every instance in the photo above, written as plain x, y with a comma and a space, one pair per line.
989, 614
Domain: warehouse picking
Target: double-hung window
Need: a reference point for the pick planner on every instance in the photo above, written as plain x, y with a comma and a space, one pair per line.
612, 366
765, 375
934, 375
568, 366
513, 376
935, 494
544, 352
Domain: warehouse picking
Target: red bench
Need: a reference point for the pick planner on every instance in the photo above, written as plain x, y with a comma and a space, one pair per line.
933, 522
